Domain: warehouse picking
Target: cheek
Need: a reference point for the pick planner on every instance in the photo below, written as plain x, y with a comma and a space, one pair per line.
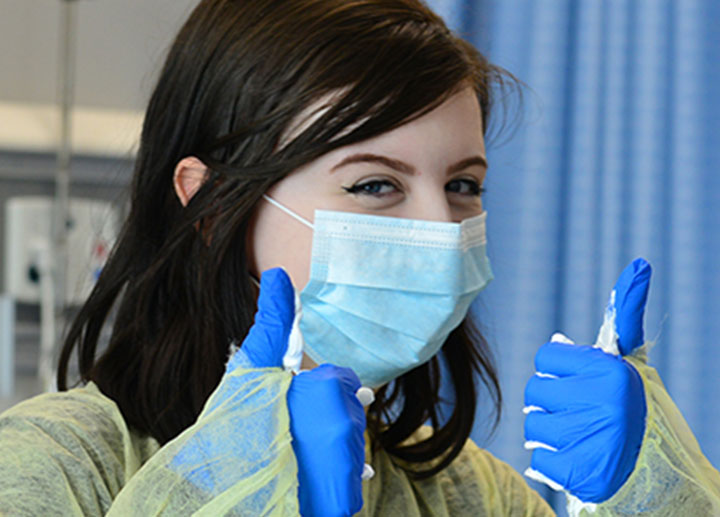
277, 240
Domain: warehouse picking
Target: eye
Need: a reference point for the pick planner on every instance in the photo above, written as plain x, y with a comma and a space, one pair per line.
466, 187
377, 188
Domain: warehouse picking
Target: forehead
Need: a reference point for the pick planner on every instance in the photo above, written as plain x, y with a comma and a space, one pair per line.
454, 127
451, 132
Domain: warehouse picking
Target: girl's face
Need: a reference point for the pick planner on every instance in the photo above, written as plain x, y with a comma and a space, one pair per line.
432, 169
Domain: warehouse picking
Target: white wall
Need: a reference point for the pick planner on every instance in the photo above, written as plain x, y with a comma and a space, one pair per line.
120, 47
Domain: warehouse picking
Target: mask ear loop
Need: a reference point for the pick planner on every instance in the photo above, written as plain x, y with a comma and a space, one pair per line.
288, 211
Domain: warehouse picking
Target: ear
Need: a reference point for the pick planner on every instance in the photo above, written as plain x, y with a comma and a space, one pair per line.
190, 174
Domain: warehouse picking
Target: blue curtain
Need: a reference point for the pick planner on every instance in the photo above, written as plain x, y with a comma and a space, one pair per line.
617, 156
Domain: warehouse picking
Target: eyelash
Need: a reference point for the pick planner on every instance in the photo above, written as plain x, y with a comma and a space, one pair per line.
366, 189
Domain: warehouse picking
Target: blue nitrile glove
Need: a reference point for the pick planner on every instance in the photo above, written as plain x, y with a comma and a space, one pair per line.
586, 408
327, 422
631, 292
267, 341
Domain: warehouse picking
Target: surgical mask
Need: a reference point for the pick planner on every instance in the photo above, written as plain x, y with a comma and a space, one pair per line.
385, 293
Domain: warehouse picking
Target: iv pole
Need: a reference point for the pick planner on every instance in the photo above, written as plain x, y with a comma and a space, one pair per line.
54, 291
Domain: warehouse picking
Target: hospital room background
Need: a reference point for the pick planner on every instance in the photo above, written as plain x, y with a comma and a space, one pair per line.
611, 151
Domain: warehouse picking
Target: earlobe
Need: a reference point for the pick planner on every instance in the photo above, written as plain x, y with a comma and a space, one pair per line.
190, 174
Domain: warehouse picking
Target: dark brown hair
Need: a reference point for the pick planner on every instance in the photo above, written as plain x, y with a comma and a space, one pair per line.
238, 74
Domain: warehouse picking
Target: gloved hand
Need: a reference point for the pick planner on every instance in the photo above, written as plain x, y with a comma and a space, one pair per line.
631, 291
267, 340
327, 421
586, 408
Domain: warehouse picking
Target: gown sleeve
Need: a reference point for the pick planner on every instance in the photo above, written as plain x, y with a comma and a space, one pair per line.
672, 477
237, 459
71, 454
65, 454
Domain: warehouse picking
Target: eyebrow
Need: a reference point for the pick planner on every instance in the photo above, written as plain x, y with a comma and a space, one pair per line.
404, 167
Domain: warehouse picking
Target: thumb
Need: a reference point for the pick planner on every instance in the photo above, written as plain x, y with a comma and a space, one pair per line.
631, 291
267, 341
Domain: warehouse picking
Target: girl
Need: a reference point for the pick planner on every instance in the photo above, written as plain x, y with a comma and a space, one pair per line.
335, 149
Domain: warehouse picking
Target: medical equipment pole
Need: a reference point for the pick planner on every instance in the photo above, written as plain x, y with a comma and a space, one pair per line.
61, 221
7, 346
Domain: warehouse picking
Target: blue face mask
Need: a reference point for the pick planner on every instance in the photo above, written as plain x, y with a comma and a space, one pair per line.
384, 293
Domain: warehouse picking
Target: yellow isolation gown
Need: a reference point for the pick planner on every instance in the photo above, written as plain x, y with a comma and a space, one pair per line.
72, 454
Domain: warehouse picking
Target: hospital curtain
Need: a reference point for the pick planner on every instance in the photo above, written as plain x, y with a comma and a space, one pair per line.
616, 156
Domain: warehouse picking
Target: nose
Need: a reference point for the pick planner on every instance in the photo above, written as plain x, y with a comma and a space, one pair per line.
433, 207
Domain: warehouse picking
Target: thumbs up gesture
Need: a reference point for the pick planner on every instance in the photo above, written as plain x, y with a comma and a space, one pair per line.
586, 405
327, 420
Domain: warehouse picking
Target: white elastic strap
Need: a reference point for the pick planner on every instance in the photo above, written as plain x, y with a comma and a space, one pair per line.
542, 478
532, 445
574, 505
558, 337
368, 472
288, 211
529, 409
366, 396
